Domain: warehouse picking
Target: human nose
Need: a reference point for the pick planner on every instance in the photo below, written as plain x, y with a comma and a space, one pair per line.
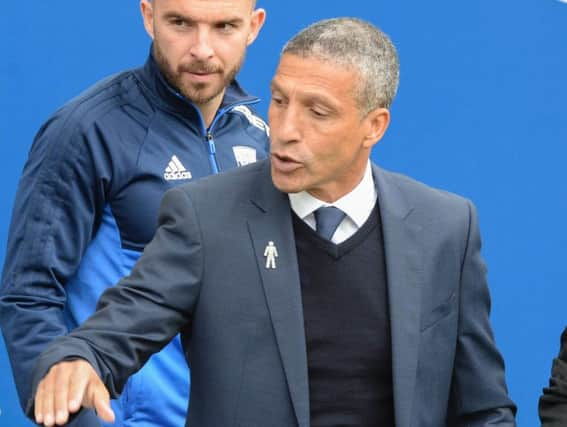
286, 124
201, 47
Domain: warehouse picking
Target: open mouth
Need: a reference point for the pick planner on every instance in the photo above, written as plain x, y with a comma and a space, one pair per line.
284, 163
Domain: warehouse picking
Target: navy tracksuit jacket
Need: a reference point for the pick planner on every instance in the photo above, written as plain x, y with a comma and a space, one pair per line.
86, 206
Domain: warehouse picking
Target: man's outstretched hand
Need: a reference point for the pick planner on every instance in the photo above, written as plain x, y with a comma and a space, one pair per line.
66, 388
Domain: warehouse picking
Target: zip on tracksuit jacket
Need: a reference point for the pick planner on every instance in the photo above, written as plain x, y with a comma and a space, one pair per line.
86, 206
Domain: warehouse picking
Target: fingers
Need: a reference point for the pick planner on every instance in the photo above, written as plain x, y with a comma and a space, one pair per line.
101, 400
66, 387
78, 384
97, 397
39, 399
44, 400
60, 388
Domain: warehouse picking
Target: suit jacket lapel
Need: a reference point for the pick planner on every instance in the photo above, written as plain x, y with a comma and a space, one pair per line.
404, 265
271, 221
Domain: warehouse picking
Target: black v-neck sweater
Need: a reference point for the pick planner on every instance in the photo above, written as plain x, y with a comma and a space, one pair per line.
347, 326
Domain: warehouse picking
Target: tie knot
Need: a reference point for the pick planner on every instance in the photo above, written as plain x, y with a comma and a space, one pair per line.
328, 219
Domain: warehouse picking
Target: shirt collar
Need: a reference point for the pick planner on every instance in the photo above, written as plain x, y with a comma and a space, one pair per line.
357, 204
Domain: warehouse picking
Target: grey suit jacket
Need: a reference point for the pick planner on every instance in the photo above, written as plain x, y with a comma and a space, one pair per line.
205, 274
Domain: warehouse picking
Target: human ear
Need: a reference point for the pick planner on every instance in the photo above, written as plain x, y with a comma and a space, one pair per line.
147, 10
256, 23
376, 123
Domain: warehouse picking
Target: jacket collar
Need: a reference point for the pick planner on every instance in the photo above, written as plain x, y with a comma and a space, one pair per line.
171, 99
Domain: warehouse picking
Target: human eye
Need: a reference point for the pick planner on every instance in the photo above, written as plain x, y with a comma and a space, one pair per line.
178, 22
319, 107
277, 99
227, 26
318, 113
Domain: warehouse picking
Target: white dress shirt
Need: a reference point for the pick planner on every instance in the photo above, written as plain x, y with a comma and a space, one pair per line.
357, 205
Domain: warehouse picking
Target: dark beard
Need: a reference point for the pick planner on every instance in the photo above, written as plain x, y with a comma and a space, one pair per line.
196, 92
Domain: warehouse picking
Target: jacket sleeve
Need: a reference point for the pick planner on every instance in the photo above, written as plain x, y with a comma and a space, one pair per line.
553, 402
59, 200
479, 395
146, 309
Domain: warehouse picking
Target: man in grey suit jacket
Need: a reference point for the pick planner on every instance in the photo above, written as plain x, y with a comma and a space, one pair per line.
382, 321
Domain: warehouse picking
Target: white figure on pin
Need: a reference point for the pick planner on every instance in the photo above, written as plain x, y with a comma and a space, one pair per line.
271, 254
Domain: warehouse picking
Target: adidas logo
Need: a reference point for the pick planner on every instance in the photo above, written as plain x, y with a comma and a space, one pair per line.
175, 170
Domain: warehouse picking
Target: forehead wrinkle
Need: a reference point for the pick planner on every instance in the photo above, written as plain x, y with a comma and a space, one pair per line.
214, 11
313, 88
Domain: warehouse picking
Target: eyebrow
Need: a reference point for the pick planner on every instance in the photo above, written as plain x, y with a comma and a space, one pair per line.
189, 19
274, 86
311, 97
233, 20
170, 15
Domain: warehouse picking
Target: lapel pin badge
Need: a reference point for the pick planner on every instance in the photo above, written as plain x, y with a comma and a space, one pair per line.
271, 253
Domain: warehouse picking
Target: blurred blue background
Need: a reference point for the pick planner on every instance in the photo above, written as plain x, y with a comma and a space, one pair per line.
481, 112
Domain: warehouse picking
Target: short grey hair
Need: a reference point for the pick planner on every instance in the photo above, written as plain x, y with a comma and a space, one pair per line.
356, 44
